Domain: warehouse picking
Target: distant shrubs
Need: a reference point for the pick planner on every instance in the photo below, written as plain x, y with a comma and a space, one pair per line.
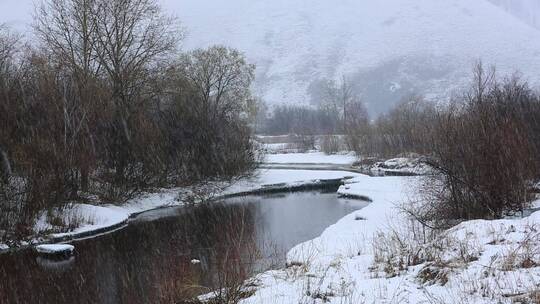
339, 112
331, 144
402, 130
302, 120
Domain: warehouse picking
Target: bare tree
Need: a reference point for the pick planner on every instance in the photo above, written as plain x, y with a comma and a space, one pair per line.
8, 48
131, 37
67, 33
222, 79
357, 125
347, 98
482, 81
213, 101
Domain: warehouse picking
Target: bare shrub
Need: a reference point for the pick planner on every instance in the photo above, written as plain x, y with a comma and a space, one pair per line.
526, 254
302, 143
406, 128
484, 152
534, 297
396, 250
414, 244
331, 144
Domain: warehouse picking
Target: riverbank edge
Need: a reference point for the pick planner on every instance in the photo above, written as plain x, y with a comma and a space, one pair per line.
262, 189
305, 186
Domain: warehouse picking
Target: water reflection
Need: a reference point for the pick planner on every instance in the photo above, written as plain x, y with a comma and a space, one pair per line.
55, 265
151, 260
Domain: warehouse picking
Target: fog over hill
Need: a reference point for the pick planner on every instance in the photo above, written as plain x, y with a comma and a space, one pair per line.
386, 48
526, 10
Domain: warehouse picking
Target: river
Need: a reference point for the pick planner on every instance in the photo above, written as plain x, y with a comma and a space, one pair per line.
167, 255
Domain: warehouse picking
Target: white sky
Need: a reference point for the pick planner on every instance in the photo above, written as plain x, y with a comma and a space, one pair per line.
17, 13
194, 13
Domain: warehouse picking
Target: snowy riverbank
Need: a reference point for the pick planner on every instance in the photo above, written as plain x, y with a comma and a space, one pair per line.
104, 218
96, 219
372, 256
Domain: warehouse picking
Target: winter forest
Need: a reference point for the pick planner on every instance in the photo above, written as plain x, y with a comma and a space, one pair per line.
154, 151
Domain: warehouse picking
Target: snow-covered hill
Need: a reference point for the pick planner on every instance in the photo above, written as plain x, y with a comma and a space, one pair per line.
387, 48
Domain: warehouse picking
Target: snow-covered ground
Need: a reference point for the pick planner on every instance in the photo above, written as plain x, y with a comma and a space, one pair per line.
347, 161
373, 256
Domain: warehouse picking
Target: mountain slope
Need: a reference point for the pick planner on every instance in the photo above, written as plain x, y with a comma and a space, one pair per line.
387, 48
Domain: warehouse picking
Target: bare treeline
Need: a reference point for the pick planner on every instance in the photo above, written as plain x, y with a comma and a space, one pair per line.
484, 147
400, 131
338, 111
105, 105
301, 120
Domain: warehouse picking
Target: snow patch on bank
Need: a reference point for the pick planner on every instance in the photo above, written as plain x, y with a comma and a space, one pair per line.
54, 248
284, 179
395, 166
346, 158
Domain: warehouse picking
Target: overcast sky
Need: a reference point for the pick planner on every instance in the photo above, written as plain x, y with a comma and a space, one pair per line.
17, 12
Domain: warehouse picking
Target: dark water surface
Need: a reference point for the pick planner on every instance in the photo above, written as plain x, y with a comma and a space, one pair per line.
168, 255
